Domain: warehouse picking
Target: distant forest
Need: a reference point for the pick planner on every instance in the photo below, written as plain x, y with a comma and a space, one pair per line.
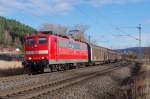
12, 32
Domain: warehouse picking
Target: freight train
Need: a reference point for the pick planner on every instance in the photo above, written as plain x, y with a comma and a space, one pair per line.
46, 49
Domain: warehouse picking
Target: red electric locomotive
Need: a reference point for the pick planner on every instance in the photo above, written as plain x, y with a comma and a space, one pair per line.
57, 52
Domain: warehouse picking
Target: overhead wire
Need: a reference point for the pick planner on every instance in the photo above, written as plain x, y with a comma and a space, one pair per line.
92, 19
116, 27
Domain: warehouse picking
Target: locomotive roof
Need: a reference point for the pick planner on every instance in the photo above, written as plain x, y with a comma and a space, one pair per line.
53, 33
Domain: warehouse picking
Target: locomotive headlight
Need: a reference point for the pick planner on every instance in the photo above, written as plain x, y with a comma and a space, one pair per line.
42, 57
30, 58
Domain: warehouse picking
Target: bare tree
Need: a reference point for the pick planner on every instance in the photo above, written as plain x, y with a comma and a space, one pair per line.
7, 38
78, 32
147, 53
59, 29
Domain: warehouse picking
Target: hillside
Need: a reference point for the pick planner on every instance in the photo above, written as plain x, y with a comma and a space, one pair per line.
12, 32
134, 50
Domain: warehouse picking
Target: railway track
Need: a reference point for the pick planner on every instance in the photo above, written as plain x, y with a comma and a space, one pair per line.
37, 90
26, 76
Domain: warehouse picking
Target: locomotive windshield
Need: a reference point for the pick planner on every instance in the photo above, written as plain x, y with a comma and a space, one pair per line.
30, 41
42, 40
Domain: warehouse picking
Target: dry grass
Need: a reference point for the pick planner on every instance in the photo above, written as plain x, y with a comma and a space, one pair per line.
142, 83
8, 68
4, 65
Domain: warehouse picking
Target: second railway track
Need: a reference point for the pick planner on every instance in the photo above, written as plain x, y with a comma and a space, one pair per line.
35, 91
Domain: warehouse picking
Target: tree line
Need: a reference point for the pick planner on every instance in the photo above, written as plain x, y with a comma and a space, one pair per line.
12, 32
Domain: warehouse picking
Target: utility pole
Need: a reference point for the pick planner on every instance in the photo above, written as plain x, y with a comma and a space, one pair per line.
140, 40
89, 37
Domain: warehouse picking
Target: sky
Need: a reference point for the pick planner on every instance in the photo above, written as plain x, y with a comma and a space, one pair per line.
109, 21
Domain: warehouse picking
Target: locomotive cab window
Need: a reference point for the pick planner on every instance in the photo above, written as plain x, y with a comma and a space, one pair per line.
30, 41
42, 40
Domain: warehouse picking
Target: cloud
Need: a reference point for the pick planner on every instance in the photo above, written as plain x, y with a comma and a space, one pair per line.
51, 7
112, 2
37, 7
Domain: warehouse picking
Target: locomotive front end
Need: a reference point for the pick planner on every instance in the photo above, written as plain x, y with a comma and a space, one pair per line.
36, 53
